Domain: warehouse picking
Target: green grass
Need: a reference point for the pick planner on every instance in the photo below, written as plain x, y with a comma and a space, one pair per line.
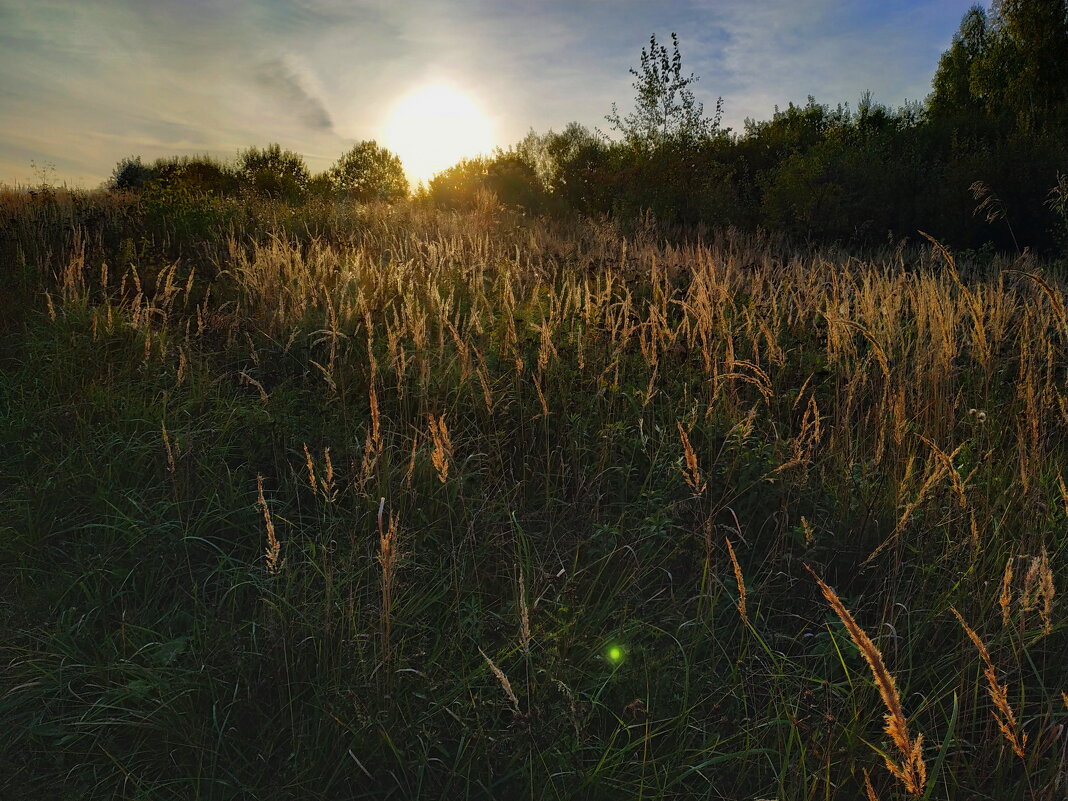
150, 653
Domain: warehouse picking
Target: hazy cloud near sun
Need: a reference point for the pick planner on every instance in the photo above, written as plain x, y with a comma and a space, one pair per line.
84, 83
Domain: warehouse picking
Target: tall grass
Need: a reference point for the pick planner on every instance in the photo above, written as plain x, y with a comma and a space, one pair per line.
205, 402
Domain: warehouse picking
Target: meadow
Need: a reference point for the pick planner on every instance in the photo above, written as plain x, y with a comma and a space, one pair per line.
339, 501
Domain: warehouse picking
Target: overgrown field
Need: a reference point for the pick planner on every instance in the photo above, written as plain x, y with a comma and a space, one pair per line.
327, 502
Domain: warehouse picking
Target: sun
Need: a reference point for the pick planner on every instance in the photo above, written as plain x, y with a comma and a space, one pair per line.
434, 127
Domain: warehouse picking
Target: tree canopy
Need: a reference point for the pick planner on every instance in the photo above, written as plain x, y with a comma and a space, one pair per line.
665, 108
369, 172
1006, 68
273, 172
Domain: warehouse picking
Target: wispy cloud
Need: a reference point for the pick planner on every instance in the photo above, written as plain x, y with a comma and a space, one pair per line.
775, 52
277, 79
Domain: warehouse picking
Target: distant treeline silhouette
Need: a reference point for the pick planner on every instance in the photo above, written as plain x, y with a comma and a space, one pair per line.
982, 162
366, 173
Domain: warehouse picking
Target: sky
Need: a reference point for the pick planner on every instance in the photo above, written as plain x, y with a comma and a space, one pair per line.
85, 83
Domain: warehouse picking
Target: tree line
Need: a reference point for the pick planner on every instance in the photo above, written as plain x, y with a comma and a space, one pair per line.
366, 173
982, 162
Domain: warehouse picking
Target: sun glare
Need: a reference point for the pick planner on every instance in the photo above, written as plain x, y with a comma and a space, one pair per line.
435, 127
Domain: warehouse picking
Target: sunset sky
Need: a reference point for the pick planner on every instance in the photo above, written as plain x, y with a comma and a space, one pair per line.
86, 83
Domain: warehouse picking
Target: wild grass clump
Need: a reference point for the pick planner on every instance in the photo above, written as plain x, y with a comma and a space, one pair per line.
336, 501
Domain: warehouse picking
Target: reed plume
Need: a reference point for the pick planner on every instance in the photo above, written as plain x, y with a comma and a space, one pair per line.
691, 472
168, 448
868, 789
1004, 715
273, 552
439, 456
1039, 590
1005, 599
387, 558
311, 470
739, 580
911, 770
320, 484
524, 614
503, 680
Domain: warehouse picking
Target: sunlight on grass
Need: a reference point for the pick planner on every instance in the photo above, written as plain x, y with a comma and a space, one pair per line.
420, 497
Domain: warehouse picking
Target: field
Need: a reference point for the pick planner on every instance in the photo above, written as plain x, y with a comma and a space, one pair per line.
339, 502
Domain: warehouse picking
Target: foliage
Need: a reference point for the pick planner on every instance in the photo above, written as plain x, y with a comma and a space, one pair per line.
998, 114
273, 172
570, 165
1006, 69
369, 172
130, 173
197, 174
665, 108
507, 177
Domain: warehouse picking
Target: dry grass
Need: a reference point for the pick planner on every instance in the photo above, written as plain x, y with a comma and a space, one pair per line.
439, 456
272, 553
502, 679
898, 421
999, 693
691, 472
868, 789
739, 580
911, 768
388, 558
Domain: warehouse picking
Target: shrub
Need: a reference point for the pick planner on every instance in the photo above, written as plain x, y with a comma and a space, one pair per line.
196, 174
130, 173
273, 172
507, 176
369, 172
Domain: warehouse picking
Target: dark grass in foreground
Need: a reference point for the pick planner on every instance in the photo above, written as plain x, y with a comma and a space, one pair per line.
605, 461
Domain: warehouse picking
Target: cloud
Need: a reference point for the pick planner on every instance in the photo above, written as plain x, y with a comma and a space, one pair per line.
779, 51
82, 84
277, 78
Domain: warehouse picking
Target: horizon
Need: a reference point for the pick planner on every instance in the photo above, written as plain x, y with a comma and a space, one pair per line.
87, 85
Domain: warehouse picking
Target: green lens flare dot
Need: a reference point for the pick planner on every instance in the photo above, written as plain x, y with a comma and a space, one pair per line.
615, 654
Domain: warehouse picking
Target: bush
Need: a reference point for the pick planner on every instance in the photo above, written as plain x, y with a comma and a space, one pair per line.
196, 174
507, 176
273, 172
130, 173
368, 172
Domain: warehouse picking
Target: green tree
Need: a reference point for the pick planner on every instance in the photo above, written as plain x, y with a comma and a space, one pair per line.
665, 108
960, 85
1009, 65
369, 172
197, 174
274, 172
130, 173
505, 175
1036, 38
565, 163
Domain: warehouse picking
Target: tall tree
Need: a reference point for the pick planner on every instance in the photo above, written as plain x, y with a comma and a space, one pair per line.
1010, 64
665, 109
959, 84
1036, 34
